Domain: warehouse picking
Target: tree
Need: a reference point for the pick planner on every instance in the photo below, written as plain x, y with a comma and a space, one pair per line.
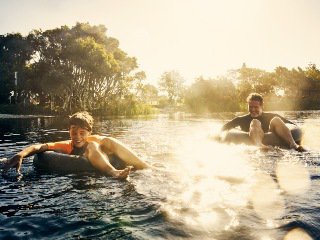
149, 94
255, 80
15, 54
212, 95
312, 90
82, 66
172, 84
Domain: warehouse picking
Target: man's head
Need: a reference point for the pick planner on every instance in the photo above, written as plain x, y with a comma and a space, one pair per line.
255, 104
80, 127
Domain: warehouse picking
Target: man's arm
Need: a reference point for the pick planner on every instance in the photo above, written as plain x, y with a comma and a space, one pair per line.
113, 146
231, 124
16, 160
220, 136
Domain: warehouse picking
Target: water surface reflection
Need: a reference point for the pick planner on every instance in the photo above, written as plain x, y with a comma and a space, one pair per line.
201, 189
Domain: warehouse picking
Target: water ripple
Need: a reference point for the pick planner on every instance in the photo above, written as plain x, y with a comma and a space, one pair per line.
198, 189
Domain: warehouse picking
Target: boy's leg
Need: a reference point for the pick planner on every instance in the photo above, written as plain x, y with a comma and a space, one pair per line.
100, 161
109, 144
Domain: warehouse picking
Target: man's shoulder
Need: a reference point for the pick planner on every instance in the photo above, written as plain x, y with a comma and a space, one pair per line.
269, 114
245, 116
241, 118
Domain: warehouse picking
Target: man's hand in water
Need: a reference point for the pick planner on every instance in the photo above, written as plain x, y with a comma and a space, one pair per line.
300, 148
15, 161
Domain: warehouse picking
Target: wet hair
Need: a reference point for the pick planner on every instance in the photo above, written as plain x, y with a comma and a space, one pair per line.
82, 119
255, 97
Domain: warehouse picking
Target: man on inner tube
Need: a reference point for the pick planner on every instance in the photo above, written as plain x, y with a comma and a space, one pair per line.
257, 122
94, 147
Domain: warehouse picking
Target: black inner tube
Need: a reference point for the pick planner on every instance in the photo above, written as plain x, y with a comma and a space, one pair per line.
239, 137
64, 163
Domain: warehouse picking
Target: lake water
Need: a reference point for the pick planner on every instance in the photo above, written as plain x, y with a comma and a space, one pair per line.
201, 189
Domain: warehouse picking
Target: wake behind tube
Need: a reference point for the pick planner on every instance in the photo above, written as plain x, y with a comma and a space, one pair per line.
64, 163
271, 139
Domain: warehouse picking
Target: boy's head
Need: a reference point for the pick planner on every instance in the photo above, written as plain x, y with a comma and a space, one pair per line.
82, 119
80, 127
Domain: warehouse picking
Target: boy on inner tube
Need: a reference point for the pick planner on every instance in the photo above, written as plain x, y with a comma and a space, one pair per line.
257, 122
94, 147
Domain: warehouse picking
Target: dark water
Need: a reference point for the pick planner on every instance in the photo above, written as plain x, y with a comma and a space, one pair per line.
200, 190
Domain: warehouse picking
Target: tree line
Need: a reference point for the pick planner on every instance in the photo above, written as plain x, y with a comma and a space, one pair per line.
68, 69
283, 89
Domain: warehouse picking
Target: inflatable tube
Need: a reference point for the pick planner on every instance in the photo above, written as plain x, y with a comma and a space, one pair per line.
64, 163
239, 137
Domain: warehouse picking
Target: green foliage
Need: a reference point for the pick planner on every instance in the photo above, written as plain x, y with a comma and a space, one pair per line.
212, 95
172, 84
301, 88
283, 89
82, 68
127, 107
254, 80
15, 54
148, 94
71, 68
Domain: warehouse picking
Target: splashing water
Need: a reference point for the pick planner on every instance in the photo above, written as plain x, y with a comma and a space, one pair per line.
209, 184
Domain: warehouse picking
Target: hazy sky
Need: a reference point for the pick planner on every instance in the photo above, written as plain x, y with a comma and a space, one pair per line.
194, 37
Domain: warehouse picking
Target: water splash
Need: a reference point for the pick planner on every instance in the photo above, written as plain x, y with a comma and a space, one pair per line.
266, 199
293, 177
212, 181
297, 234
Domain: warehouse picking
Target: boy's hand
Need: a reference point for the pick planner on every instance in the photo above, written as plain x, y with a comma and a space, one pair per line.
15, 161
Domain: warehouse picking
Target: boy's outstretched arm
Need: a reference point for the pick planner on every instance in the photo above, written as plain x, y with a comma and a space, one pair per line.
16, 160
113, 146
